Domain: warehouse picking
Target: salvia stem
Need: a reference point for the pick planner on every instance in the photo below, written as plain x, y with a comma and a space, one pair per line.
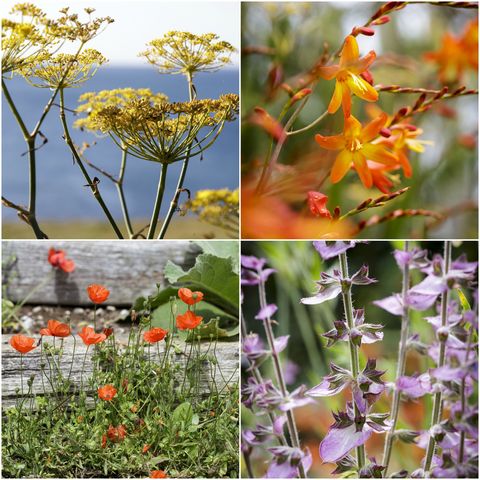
400, 366
292, 427
354, 361
437, 402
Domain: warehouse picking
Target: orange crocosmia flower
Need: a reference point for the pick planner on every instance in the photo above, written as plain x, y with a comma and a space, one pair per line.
107, 392
348, 77
89, 336
155, 335
57, 258
22, 343
97, 293
188, 320
158, 474
355, 145
273, 127
404, 138
317, 203
380, 177
56, 329
116, 434
189, 297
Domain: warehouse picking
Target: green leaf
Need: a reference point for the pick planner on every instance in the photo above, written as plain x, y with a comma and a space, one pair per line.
221, 249
463, 300
182, 416
211, 275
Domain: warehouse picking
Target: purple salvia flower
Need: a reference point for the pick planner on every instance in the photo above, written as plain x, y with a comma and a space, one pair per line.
253, 347
415, 258
361, 277
295, 399
329, 287
392, 304
338, 380
286, 461
290, 371
253, 272
416, 386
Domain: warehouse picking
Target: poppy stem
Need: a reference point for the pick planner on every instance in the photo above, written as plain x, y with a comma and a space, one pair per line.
83, 368
402, 354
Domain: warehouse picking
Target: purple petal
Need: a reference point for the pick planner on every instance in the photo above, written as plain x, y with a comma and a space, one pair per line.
324, 390
252, 262
414, 387
338, 442
266, 312
332, 249
392, 304
447, 373
327, 293
280, 343
278, 424
421, 302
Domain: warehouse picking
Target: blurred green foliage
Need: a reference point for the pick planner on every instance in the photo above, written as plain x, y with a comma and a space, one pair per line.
445, 176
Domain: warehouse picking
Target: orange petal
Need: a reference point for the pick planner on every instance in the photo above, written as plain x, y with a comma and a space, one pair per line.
363, 63
346, 101
362, 169
352, 127
335, 142
361, 88
326, 72
379, 154
350, 51
336, 98
404, 162
372, 129
341, 166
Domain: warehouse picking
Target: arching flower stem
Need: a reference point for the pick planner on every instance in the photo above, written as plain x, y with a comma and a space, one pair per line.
94, 188
354, 361
402, 353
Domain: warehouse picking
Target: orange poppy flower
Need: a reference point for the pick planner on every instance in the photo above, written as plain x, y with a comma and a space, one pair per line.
22, 343
347, 76
89, 336
97, 293
146, 448
355, 145
188, 320
155, 335
158, 474
107, 392
56, 329
104, 441
57, 258
189, 297
116, 434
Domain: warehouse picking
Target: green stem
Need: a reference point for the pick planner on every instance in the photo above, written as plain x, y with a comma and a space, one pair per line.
94, 188
292, 427
402, 353
437, 402
15, 112
463, 399
121, 193
354, 362
183, 173
158, 201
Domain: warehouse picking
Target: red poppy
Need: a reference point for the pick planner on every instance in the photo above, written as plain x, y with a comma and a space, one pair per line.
22, 343
89, 336
158, 474
56, 329
188, 320
116, 434
107, 331
155, 335
57, 259
107, 392
97, 293
189, 297
104, 441
146, 448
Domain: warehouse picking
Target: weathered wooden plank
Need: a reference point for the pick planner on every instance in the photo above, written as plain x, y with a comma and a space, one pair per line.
128, 268
226, 372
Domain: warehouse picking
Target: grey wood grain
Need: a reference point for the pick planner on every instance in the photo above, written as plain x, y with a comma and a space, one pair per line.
225, 373
127, 268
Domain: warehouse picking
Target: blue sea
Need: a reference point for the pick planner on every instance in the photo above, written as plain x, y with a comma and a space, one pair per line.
60, 191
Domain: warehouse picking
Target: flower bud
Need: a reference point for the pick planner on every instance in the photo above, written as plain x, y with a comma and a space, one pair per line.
442, 334
382, 20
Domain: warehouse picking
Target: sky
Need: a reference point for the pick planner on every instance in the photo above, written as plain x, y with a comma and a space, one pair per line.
139, 21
